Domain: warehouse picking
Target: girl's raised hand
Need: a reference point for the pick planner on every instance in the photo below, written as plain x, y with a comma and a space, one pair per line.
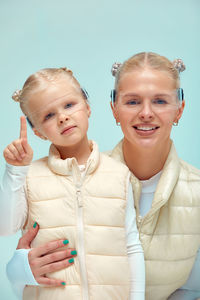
19, 152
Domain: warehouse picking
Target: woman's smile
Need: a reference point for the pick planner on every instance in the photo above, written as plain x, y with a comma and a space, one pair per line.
145, 129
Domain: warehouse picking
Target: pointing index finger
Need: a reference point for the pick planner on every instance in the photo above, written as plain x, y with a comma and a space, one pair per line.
23, 128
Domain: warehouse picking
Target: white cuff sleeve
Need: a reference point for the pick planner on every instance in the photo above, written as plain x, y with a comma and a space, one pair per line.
19, 272
13, 203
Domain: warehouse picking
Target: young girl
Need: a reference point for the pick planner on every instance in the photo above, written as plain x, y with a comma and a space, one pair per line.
74, 193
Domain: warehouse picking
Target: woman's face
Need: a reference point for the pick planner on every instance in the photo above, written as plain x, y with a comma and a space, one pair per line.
146, 107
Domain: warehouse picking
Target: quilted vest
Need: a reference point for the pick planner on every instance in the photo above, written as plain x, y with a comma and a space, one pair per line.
170, 231
89, 211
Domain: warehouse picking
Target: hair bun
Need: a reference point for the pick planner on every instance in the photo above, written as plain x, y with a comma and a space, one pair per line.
179, 65
16, 95
67, 70
115, 68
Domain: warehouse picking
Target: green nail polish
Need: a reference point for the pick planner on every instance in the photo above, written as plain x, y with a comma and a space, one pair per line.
71, 260
63, 283
65, 242
34, 225
74, 252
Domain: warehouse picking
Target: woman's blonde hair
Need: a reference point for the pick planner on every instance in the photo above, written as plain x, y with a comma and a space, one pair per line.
39, 81
149, 60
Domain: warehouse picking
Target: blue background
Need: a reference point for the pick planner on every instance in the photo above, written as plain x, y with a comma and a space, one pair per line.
88, 36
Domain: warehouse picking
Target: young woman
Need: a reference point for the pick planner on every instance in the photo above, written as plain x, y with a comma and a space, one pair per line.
147, 102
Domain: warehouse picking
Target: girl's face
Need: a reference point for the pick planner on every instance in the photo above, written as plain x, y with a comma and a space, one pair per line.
60, 114
146, 107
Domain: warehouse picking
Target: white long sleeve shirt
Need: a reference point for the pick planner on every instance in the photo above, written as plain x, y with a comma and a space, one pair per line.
13, 214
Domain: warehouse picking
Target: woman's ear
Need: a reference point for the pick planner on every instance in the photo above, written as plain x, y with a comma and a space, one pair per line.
114, 111
37, 133
180, 111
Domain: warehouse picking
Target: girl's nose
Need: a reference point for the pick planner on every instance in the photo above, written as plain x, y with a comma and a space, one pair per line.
146, 113
62, 118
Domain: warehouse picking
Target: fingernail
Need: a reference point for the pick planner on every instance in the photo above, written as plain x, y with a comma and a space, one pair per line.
34, 225
71, 260
63, 283
65, 242
74, 252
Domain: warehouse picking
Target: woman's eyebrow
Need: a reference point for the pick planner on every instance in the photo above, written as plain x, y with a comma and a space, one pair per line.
130, 95
152, 96
162, 95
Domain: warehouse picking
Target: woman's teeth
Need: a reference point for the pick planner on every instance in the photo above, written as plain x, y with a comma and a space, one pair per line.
145, 128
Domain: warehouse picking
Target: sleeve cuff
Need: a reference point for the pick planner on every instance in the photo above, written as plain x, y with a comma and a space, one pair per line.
29, 275
18, 269
16, 170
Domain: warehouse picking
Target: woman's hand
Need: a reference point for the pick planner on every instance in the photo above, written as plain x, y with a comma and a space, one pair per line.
19, 152
42, 262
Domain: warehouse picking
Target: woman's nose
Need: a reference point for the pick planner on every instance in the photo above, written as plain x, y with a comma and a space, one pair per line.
146, 112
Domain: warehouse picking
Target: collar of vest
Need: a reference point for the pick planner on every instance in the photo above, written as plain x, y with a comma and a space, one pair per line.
167, 182
69, 165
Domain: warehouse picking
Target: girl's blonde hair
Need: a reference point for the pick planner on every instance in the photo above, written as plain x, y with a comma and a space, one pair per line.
39, 81
149, 60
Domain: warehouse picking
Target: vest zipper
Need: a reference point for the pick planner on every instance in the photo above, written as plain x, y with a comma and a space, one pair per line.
139, 221
81, 249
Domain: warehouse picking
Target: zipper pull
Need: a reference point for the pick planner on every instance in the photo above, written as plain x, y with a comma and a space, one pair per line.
79, 198
139, 219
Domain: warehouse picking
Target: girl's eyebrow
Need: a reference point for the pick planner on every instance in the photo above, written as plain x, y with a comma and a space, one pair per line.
48, 109
54, 104
51, 107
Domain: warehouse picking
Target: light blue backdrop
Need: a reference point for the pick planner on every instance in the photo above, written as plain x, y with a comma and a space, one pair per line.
88, 36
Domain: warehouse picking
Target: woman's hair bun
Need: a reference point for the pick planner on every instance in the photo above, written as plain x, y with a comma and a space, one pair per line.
16, 95
179, 65
115, 68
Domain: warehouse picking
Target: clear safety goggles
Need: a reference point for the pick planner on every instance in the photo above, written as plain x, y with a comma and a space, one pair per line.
162, 102
61, 107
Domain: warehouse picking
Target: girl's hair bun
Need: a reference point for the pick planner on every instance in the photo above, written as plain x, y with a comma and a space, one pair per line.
67, 70
16, 95
115, 68
179, 65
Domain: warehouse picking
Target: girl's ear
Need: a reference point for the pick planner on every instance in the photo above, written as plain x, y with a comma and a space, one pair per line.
37, 133
114, 111
180, 111
88, 110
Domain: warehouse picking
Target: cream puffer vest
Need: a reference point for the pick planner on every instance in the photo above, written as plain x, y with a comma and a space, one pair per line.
89, 211
170, 231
